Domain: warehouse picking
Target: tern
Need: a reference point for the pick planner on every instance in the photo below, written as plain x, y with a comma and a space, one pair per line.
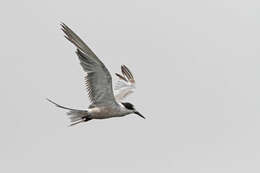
98, 80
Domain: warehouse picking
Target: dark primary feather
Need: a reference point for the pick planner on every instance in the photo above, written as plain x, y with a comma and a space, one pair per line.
127, 73
121, 77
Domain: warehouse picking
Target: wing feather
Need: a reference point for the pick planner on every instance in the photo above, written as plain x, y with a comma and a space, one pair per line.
127, 73
76, 40
98, 79
121, 77
125, 85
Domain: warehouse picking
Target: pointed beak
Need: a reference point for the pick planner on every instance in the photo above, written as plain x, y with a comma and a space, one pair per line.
138, 113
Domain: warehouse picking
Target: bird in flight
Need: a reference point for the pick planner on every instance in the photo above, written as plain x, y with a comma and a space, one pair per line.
104, 104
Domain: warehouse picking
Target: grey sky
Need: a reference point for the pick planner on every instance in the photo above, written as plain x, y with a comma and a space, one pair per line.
196, 64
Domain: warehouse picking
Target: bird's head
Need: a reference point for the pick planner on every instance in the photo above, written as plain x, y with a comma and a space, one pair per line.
131, 109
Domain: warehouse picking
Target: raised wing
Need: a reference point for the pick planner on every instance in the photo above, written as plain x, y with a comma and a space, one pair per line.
98, 79
125, 85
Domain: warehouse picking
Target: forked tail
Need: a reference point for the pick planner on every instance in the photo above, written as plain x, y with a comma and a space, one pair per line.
76, 116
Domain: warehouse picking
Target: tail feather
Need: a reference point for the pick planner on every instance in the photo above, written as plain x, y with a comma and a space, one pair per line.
77, 122
76, 116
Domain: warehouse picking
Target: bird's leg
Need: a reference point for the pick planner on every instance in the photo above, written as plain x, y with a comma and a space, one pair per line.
86, 118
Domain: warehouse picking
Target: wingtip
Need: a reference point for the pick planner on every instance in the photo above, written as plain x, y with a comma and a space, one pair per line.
126, 72
122, 67
65, 28
121, 77
62, 24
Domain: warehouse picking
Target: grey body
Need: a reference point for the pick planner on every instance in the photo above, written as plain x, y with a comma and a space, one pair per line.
103, 112
104, 104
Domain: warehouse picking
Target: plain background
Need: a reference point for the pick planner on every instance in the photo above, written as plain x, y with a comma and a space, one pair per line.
196, 64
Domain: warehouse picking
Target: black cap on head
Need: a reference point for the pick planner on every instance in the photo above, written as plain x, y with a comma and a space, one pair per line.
128, 106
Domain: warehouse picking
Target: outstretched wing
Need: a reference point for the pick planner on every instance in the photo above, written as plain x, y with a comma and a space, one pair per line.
98, 79
125, 85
